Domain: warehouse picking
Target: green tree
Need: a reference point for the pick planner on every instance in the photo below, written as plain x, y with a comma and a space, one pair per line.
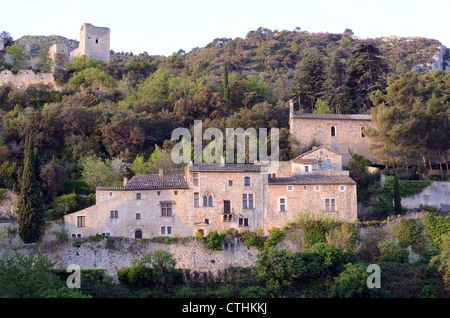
443, 260
98, 172
18, 55
30, 277
45, 62
307, 83
397, 198
351, 283
335, 90
366, 74
226, 92
30, 209
321, 107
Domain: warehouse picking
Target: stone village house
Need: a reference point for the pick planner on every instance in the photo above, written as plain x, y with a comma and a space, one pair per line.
220, 196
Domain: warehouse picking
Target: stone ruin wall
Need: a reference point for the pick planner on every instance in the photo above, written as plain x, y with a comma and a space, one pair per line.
26, 77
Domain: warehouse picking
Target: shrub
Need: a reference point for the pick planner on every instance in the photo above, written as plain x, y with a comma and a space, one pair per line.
213, 241
77, 187
351, 283
333, 257
252, 239
407, 187
409, 232
2, 193
276, 235
315, 233
435, 227
391, 252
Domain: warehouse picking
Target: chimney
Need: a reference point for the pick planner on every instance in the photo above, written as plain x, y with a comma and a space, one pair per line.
291, 108
125, 181
222, 161
314, 147
160, 172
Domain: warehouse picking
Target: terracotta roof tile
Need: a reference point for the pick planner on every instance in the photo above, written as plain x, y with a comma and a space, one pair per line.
153, 182
217, 167
313, 179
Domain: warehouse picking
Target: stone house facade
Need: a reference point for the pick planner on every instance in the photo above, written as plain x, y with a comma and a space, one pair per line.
215, 197
342, 133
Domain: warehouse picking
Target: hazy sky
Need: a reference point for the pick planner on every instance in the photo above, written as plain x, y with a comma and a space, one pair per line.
164, 27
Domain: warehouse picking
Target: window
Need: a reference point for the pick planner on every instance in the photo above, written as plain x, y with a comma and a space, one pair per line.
176, 192
207, 200
196, 196
110, 194
138, 196
328, 162
282, 204
81, 221
166, 208
114, 214
342, 188
165, 230
195, 179
138, 216
230, 183
304, 188
96, 41
243, 221
207, 221
333, 131
317, 188
158, 193
330, 205
247, 201
272, 175
247, 181
362, 132
306, 168
138, 234
290, 188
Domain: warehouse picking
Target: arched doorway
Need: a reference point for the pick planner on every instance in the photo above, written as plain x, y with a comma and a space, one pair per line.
138, 234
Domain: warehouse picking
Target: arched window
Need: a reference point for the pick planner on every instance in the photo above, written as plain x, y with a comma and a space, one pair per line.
207, 199
333, 131
362, 132
138, 234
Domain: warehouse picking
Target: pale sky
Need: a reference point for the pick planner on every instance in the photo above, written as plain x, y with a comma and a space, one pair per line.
164, 27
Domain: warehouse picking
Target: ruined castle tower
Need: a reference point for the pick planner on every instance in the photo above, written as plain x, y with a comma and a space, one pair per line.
94, 42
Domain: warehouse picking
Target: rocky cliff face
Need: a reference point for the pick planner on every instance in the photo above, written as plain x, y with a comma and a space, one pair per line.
441, 60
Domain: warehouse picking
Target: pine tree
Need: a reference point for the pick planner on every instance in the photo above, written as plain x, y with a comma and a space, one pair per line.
335, 86
308, 78
366, 75
30, 209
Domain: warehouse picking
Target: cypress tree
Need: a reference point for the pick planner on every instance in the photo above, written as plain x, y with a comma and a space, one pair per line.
30, 208
397, 198
226, 92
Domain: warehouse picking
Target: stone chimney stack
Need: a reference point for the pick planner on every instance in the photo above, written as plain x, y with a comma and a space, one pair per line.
160, 172
125, 181
222, 161
291, 108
